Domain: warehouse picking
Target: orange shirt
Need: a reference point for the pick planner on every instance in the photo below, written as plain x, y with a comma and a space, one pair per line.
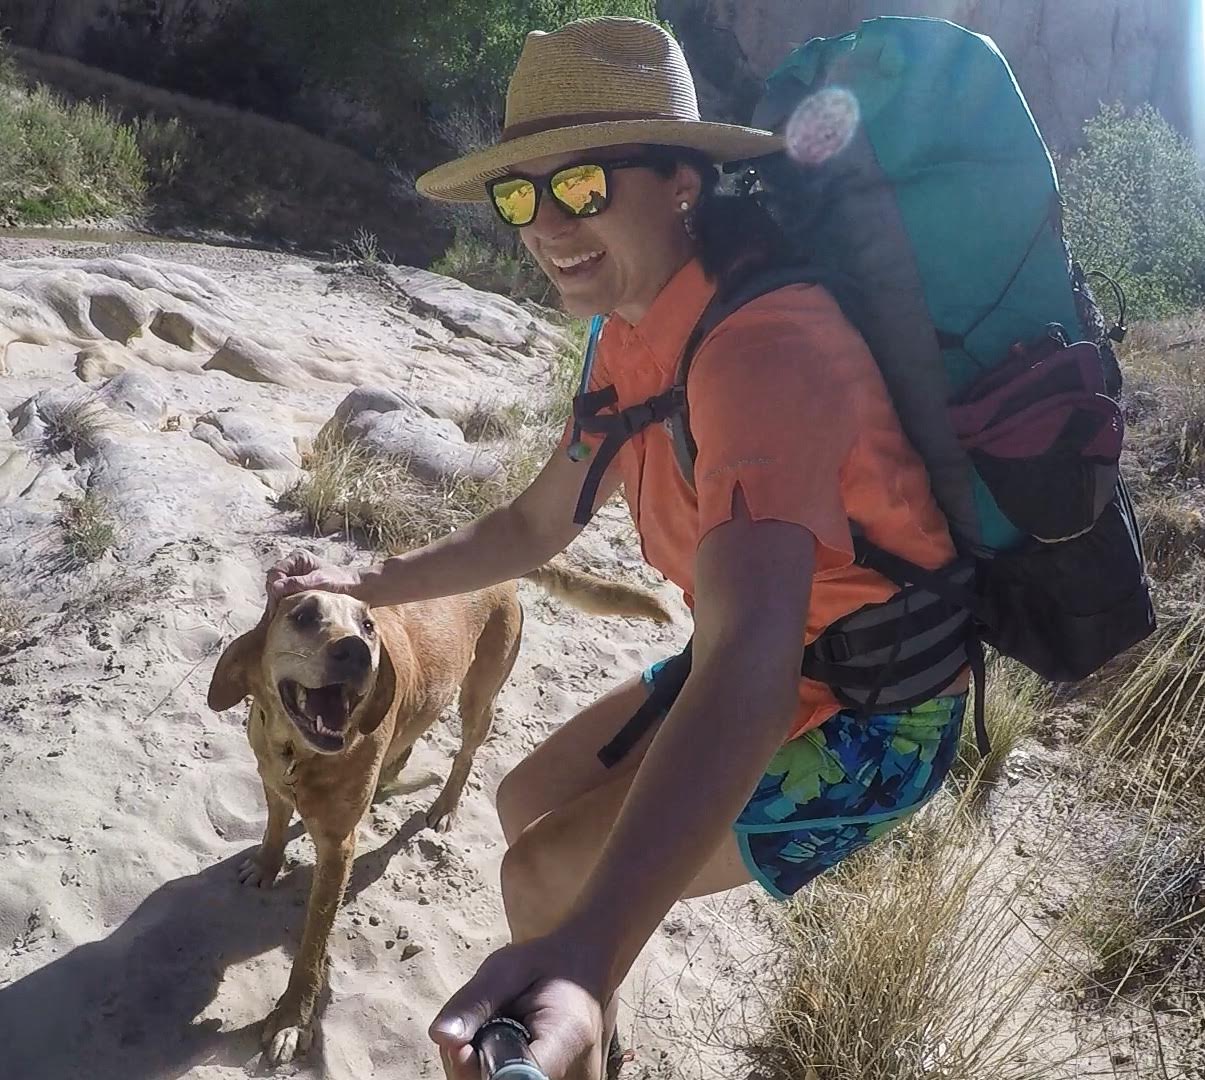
787, 402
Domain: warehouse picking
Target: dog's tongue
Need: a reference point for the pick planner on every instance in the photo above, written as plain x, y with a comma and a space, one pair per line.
327, 704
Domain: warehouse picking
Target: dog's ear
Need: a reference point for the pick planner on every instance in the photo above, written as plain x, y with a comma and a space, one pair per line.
377, 707
231, 680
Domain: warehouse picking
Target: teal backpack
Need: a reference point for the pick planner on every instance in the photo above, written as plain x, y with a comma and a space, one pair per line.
916, 187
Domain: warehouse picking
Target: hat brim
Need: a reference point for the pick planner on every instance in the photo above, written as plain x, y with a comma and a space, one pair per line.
464, 179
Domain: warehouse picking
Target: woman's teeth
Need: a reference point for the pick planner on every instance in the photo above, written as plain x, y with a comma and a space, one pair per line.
576, 260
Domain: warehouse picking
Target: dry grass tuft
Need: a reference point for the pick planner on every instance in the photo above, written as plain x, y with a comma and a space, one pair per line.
904, 965
1151, 706
1165, 398
378, 501
1143, 914
364, 248
14, 622
485, 422
1015, 700
88, 527
75, 425
1173, 534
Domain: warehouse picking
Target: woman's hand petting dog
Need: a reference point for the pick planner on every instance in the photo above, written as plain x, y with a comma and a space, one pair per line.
301, 571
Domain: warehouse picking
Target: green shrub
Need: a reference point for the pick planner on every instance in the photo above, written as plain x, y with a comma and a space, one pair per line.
476, 261
61, 161
1135, 208
438, 51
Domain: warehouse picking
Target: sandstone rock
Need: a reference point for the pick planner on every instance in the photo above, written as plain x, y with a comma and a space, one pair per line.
100, 361
244, 359
391, 424
247, 441
464, 309
118, 312
135, 396
176, 328
372, 399
1068, 55
17, 471
162, 488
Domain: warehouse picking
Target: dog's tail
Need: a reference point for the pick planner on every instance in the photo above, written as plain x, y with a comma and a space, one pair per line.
596, 596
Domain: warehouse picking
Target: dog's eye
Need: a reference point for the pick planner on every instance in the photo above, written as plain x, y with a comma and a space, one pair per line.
305, 616
370, 627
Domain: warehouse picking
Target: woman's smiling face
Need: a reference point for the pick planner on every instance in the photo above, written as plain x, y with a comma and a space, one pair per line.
619, 259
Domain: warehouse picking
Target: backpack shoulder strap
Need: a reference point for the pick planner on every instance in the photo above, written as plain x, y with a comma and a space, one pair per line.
725, 302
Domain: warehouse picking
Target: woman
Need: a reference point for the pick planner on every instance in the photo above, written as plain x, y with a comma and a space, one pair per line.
752, 774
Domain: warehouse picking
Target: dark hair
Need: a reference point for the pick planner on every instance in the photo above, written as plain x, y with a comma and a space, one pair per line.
733, 230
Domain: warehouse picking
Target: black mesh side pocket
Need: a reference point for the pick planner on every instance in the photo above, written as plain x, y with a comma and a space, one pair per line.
1066, 609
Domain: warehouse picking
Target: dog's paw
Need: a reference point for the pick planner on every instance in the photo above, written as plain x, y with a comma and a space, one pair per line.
286, 1035
441, 817
258, 872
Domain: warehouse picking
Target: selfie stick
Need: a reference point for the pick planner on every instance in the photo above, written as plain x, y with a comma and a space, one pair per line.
503, 1047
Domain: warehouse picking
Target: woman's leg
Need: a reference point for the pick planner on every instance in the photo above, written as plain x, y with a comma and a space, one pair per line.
846, 783
566, 766
543, 870
562, 783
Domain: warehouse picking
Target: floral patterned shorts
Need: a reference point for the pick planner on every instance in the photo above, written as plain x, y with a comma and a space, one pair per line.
837, 787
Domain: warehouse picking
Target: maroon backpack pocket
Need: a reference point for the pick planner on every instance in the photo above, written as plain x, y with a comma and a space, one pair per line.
1044, 438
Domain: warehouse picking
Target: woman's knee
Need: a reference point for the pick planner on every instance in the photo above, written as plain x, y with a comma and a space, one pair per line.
566, 766
515, 801
530, 892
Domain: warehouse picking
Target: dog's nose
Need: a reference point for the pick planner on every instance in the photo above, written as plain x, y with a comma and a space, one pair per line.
351, 656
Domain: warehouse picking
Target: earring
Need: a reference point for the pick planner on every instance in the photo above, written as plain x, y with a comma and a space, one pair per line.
688, 218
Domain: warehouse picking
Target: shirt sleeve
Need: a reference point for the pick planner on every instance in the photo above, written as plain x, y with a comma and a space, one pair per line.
772, 399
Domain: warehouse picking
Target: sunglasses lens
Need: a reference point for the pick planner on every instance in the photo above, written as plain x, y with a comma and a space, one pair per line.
515, 200
581, 189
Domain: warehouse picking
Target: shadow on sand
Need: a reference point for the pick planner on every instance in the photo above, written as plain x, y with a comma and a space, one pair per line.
125, 1007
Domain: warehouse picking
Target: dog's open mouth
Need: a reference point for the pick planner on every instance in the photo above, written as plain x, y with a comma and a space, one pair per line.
321, 713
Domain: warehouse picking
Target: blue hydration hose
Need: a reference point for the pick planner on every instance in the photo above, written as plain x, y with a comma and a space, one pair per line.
578, 450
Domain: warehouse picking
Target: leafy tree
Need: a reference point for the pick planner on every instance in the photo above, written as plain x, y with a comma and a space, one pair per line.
1135, 208
440, 50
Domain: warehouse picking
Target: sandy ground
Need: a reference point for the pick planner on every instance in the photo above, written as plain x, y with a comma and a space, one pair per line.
128, 950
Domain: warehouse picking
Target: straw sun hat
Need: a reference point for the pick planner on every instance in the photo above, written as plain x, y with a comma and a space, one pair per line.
594, 83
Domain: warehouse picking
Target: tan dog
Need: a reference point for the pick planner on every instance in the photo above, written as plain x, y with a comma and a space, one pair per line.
340, 695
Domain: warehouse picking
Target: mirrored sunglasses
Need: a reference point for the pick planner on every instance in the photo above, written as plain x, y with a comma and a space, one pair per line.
580, 190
